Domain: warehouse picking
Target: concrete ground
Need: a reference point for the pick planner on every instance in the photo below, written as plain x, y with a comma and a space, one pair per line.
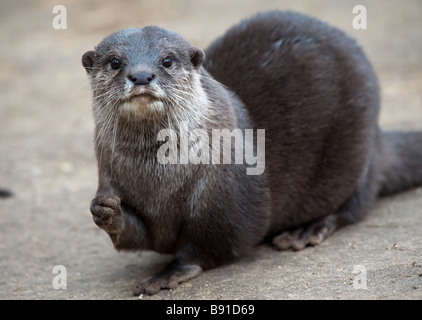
47, 160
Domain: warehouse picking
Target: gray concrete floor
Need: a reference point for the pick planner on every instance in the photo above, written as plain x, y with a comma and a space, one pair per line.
47, 160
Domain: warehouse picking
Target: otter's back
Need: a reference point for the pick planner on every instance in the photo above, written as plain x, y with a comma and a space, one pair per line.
312, 89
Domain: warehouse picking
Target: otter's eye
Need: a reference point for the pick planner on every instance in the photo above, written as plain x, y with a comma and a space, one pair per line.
167, 62
115, 63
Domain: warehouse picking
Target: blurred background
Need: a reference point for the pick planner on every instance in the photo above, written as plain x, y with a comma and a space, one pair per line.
46, 126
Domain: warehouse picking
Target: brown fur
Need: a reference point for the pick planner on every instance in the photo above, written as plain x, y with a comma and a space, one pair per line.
307, 84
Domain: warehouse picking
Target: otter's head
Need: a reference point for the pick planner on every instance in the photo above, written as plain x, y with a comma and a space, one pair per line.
143, 73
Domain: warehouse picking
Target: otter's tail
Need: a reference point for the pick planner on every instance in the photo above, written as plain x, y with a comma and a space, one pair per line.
400, 161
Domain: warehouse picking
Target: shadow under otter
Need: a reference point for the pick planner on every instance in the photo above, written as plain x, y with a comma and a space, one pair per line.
307, 84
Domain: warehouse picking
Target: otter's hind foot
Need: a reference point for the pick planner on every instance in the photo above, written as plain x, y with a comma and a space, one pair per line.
312, 234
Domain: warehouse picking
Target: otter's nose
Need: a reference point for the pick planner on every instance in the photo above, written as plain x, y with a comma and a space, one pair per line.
141, 78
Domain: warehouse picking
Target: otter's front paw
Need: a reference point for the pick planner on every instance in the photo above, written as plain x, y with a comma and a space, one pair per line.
107, 214
169, 278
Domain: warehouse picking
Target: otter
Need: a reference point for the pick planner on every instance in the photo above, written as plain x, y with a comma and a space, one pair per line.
311, 88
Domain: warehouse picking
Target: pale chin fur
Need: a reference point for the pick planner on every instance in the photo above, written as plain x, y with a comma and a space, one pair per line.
142, 110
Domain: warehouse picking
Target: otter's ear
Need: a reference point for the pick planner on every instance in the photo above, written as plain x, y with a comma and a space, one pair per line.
88, 60
196, 57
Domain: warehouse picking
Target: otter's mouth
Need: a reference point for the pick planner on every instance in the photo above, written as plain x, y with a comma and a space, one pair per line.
143, 104
142, 98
